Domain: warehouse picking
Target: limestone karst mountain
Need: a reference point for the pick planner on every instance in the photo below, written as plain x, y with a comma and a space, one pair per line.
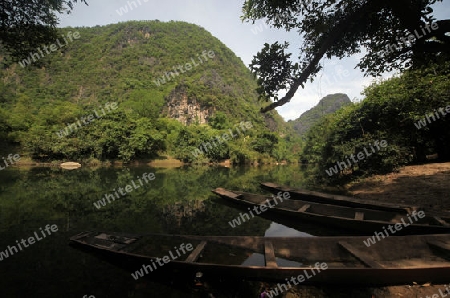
164, 78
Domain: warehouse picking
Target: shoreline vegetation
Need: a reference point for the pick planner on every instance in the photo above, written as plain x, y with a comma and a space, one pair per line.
163, 162
190, 118
170, 162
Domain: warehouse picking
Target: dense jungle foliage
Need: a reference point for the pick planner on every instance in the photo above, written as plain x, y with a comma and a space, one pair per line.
121, 64
408, 111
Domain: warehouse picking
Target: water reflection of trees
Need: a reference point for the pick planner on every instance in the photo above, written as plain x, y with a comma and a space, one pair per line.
179, 211
178, 201
180, 197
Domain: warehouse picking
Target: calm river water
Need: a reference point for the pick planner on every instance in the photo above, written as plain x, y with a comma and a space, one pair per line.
177, 201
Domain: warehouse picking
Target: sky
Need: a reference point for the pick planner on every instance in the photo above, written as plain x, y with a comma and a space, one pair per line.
222, 19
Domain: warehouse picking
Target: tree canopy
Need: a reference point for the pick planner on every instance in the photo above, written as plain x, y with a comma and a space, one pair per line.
408, 111
25, 25
393, 35
122, 63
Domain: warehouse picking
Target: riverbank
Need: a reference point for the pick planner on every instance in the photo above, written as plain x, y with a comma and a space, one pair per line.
178, 202
407, 291
160, 162
426, 186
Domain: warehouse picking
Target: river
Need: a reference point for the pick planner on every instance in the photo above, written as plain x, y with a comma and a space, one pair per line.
176, 201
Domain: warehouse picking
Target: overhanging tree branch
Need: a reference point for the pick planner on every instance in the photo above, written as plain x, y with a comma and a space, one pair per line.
336, 33
396, 34
25, 25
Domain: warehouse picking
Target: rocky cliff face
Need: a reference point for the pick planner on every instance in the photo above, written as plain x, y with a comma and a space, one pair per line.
186, 109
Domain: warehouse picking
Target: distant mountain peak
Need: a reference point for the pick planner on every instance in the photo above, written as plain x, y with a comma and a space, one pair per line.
327, 105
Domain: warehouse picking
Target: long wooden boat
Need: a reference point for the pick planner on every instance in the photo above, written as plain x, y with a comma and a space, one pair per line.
311, 260
339, 200
366, 221
308, 227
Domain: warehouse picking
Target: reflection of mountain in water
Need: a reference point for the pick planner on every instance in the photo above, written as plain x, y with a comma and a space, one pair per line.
179, 211
178, 201
206, 217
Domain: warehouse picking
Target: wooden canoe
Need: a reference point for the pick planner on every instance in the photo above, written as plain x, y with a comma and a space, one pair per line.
366, 221
338, 260
339, 200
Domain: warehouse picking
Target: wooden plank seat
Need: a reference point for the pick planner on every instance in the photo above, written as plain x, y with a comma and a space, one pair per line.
365, 259
304, 208
196, 252
269, 255
359, 215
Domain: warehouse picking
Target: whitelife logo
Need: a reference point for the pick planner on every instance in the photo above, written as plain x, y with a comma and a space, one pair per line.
440, 295
300, 278
124, 9
166, 259
169, 75
259, 209
203, 148
398, 227
123, 191
86, 120
361, 155
409, 39
423, 122
53, 48
11, 250
12, 160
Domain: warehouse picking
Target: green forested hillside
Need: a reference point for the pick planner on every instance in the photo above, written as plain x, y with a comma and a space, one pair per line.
329, 104
143, 68
410, 112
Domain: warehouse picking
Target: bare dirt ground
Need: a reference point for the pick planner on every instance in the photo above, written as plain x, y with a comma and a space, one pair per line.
408, 291
425, 186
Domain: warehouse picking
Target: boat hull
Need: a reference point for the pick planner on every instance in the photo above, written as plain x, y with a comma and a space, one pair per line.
338, 200
431, 271
337, 216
